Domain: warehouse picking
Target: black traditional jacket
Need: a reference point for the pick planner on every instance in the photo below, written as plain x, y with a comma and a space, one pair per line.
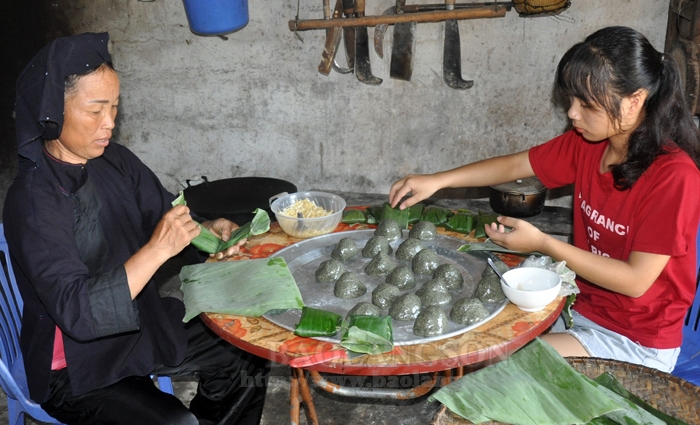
70, 229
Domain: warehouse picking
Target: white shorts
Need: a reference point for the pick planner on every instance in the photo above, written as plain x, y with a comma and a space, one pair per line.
604, 343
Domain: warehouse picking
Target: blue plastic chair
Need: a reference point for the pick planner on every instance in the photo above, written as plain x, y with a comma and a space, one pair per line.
688, 364
13, 378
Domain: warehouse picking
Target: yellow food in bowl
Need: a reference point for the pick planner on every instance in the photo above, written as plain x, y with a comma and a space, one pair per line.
307, 208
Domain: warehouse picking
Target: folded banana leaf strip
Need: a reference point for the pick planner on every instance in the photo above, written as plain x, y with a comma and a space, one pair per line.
488, 245
436, 215
534, 386
482, 220
399, 216
316, 322
208, 242
415, 212
374, 213
243, 288
462, 222
353, 217
368, 334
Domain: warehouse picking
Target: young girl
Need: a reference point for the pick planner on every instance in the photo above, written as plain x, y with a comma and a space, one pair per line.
633, 157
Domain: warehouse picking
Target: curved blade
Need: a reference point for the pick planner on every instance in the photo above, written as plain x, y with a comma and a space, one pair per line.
363, 68
379, 31
452, 59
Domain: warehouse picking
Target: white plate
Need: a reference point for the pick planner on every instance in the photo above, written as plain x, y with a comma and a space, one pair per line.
304, 258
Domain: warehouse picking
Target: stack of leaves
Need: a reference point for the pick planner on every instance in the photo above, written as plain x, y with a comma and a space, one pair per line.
361, 334
208, 242
536, 386
244, 288
368, 334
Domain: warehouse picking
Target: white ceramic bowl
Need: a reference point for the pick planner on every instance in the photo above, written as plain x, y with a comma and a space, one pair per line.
308, 227
531, 288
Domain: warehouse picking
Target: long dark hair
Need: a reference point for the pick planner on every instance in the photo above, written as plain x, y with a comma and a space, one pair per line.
616, 62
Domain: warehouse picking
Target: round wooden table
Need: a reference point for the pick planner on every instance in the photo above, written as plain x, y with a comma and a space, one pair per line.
494, 340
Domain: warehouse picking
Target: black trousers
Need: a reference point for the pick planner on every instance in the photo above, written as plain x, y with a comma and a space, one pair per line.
232, 386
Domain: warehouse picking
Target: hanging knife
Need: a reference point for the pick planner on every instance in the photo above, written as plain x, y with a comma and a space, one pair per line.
363, 68
401, 66
332, 40
349, 33
452, 59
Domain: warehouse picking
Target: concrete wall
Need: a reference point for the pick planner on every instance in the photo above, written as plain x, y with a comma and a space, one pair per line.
253, 104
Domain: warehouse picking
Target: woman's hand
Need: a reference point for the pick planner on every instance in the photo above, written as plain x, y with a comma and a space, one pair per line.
420, 186
230, 251
221, 227
523, 237
174, 232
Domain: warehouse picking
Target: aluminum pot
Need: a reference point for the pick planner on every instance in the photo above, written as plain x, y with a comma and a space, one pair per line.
234, 198
521, 198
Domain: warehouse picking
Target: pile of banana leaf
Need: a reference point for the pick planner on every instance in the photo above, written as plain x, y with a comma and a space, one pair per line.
536, 386
244, 288
360, 334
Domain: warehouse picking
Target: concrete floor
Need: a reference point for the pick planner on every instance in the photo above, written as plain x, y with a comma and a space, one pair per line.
331, 410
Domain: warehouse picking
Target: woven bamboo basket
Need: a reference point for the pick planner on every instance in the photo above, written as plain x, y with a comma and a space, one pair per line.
536, 7
667, 393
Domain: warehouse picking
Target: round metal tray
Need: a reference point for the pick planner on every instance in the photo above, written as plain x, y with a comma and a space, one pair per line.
304, 258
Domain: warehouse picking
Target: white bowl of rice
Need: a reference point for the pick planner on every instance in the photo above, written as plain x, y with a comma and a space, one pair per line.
320, 213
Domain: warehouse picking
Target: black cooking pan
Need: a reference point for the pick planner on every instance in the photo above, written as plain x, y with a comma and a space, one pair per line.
235, 198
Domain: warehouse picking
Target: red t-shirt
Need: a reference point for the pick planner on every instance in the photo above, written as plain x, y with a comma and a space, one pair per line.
659, 215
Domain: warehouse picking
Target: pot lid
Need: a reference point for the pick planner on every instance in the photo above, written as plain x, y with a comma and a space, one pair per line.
528, 186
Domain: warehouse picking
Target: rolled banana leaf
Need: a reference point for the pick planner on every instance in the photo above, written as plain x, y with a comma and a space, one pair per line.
368, 334
415, 212
374, 213
399, 216
316, 322
462, 222
481, 220
436, 215
354, 217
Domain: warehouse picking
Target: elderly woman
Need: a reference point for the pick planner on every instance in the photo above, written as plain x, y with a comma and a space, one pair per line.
88, 225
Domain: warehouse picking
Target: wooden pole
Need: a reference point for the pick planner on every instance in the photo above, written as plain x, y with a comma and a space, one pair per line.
370, 21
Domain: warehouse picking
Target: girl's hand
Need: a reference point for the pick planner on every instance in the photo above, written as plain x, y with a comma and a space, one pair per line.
420, 186
523, 237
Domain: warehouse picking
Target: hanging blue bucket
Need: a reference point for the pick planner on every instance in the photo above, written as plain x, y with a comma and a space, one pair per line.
216, 17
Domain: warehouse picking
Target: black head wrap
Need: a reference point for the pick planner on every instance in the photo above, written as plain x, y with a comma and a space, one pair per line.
41, 86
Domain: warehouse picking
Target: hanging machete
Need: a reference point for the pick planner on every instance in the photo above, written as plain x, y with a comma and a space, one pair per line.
452, 57
401, 67
363, 68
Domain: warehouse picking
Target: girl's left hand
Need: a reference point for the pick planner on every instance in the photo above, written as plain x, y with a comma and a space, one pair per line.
523, 237
221, 227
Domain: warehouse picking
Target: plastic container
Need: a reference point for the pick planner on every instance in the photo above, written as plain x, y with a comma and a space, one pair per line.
531, 288
308, 227
216, 17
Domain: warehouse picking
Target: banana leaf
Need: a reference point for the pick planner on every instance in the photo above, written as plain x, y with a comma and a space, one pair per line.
462, 222
353, 217
488, 245
534, 386
608, 381
211, 244
244, 288
436, 215
481, 220
368, 334
315, 322
374, 213
399, 216
415, 212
